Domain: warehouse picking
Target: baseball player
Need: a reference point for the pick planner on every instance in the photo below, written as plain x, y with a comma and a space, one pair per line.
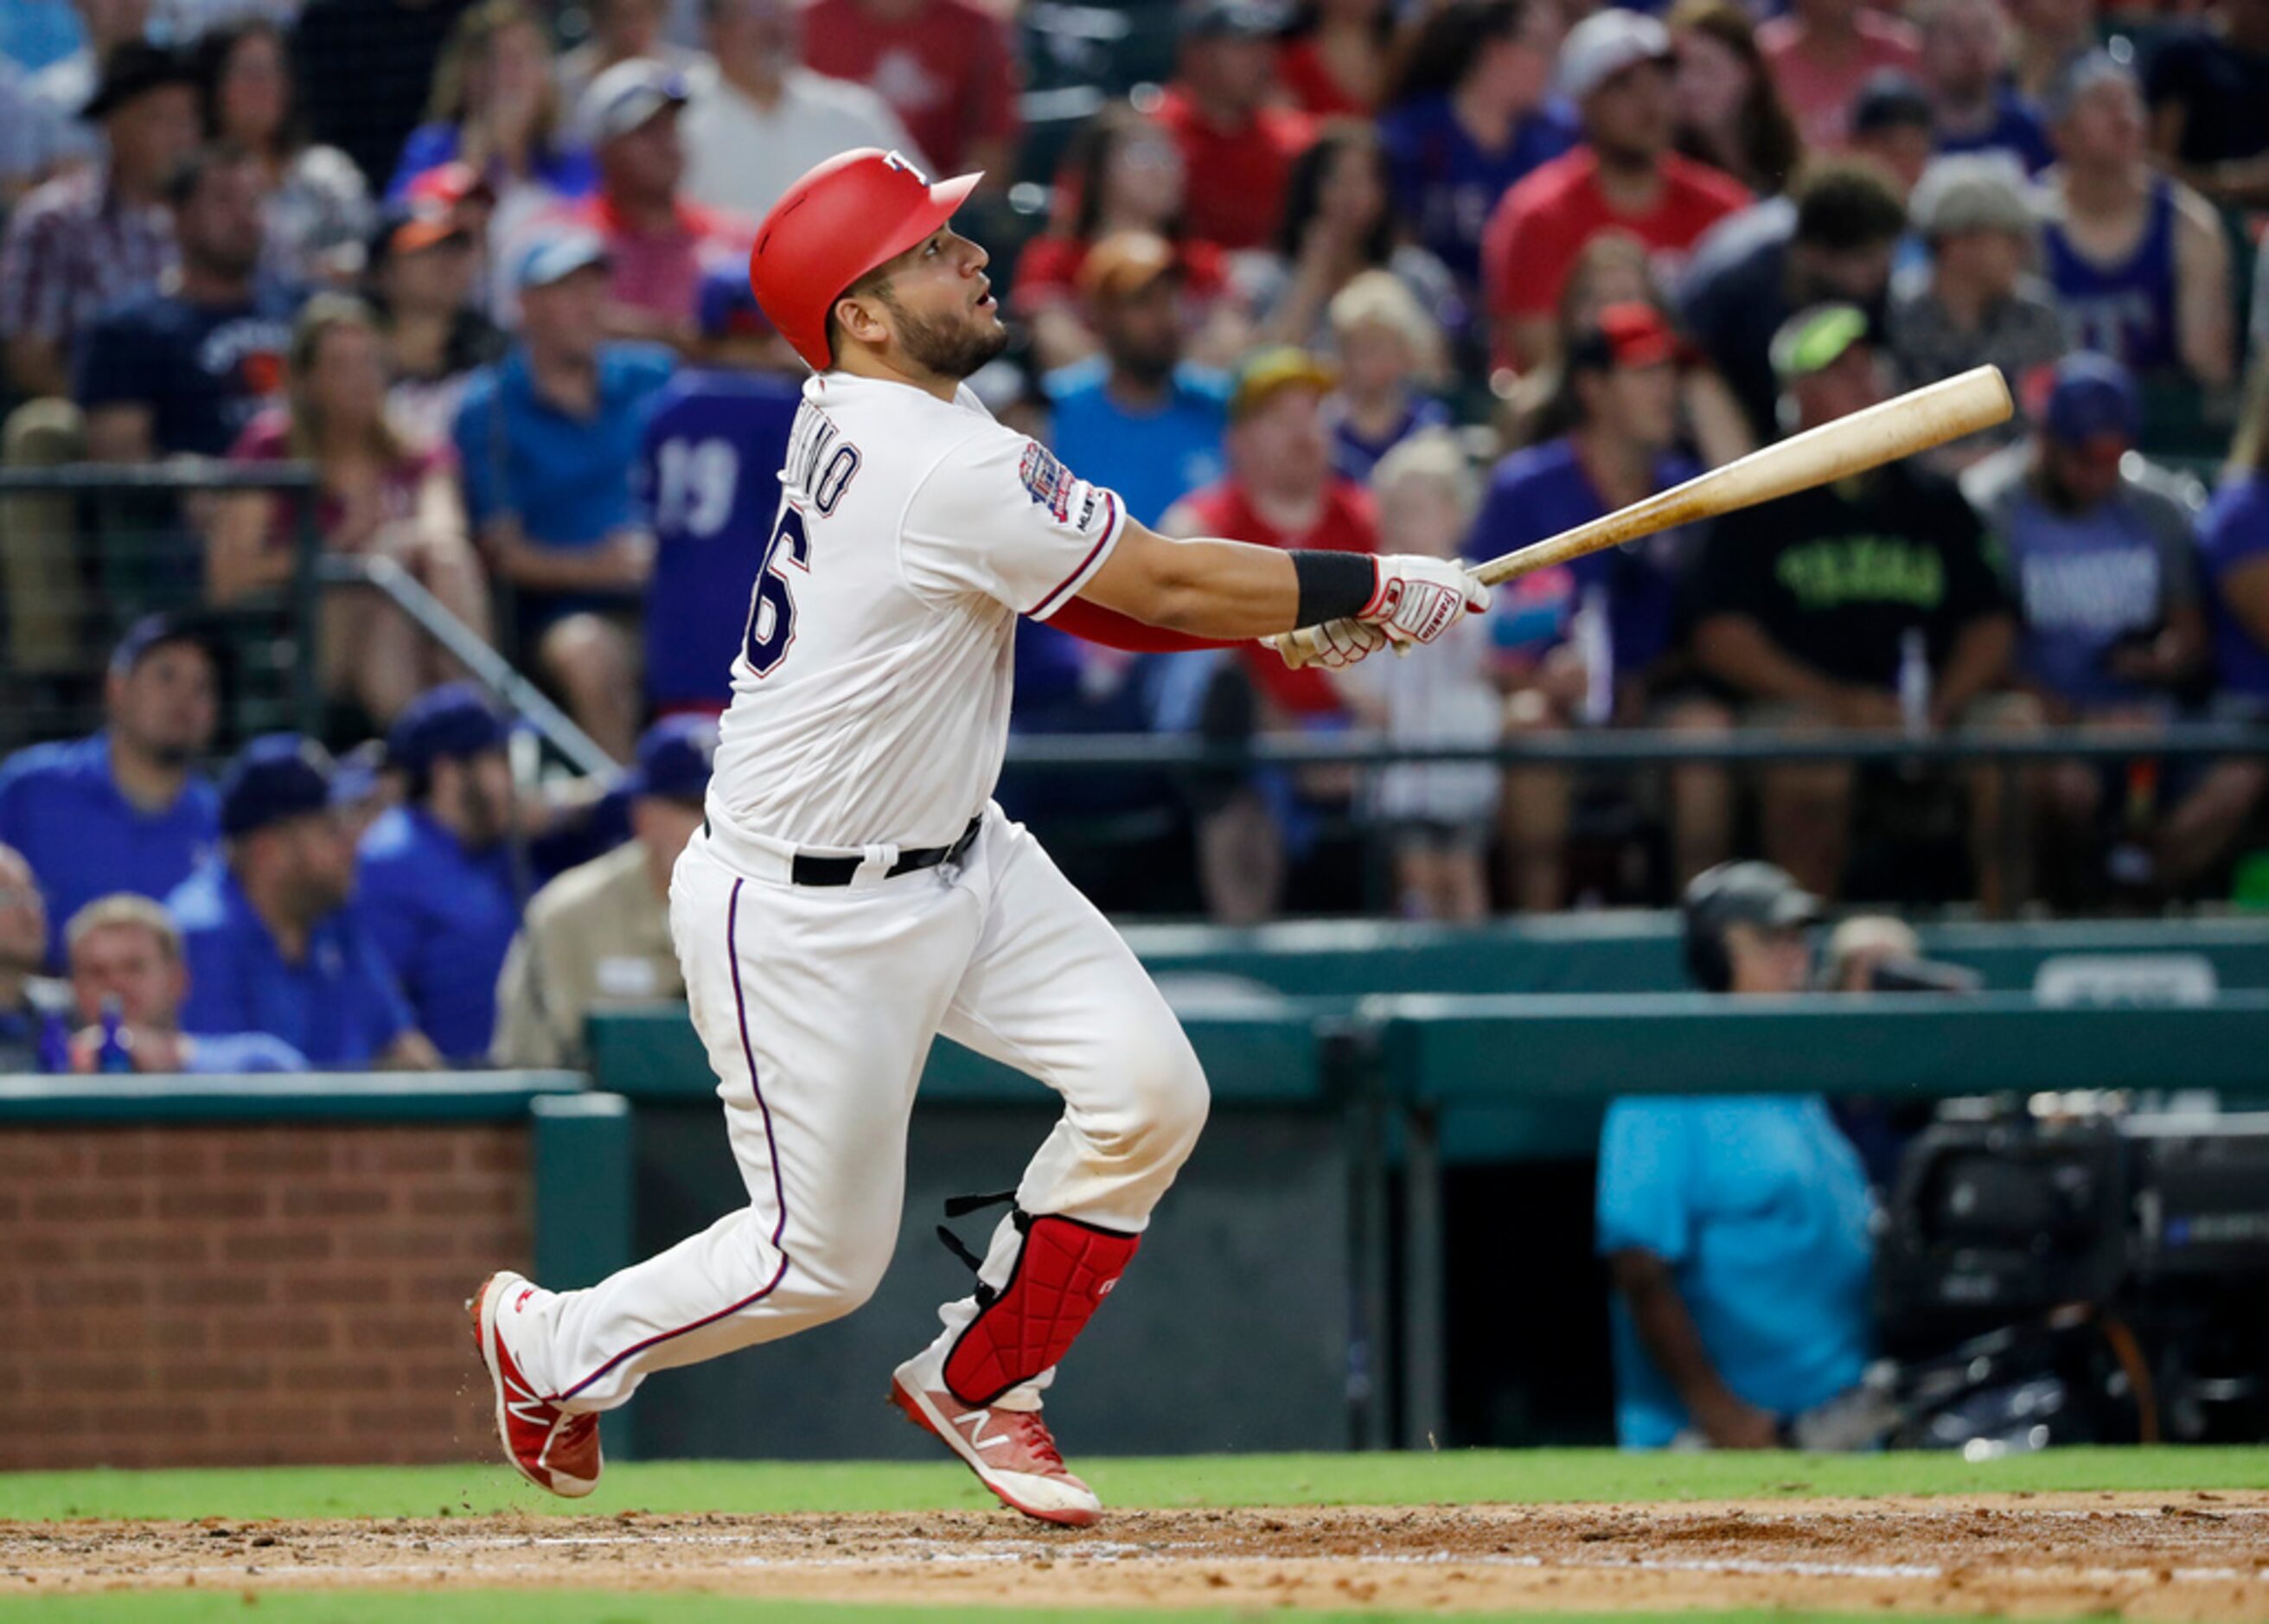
854, 892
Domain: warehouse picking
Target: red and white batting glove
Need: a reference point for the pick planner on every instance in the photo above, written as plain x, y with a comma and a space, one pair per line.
1344, 642
1418, 598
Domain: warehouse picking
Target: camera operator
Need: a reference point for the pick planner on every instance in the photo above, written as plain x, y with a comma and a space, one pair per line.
1736, 1228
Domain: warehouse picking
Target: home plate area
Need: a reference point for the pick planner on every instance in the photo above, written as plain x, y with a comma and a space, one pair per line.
2191, 1555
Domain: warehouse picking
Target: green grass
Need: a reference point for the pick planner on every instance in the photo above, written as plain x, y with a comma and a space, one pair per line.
1457, 1476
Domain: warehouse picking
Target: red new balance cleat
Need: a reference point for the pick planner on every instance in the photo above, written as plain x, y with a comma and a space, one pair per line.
550, 1447
1011, 1451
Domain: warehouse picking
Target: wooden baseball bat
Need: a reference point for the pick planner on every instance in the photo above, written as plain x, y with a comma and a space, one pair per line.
1884, 432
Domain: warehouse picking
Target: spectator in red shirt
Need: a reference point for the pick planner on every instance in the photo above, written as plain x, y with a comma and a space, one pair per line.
1334, 65
1236, 145
1617, 67
1281, 492
945, 67
658, 240
1120, 173
1822, 51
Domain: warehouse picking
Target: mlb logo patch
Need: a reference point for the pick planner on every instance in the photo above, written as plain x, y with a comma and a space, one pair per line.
1048, 481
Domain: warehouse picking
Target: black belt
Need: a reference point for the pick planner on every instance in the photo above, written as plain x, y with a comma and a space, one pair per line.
807, 869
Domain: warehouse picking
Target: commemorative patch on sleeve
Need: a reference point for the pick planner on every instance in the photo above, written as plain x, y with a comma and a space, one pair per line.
1048, 481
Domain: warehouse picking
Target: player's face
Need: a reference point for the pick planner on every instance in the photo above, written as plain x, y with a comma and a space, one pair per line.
127, 963
938, 304
167, 705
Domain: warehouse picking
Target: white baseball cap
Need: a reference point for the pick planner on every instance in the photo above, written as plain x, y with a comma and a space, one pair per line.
1606, 43
626, 95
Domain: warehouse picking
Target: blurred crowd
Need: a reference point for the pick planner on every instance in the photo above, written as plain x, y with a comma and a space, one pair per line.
1445, 276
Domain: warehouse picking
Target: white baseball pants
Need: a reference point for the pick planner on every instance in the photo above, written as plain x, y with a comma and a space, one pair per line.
817, 1007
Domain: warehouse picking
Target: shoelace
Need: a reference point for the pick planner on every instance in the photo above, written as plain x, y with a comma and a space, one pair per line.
1032, 1434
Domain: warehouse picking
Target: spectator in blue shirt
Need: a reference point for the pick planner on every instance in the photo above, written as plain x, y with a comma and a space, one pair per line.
1470, 117
1621, 395
546, 439
1149, 423
125, 809
1734, 1227
1965, 71
705, 479
436, 883
128, 981
1391, 354
271, 942
34, 1029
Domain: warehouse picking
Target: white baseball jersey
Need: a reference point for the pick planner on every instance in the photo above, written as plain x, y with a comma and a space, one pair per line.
870, 696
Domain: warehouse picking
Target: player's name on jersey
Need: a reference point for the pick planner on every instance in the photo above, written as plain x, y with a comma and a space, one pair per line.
820, 462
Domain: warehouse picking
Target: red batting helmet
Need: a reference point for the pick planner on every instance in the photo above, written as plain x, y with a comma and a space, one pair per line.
846, 217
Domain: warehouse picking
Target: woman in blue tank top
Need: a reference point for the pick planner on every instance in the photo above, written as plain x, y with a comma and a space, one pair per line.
2125, 310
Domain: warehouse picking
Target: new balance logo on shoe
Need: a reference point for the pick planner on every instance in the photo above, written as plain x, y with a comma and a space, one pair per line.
982, 1419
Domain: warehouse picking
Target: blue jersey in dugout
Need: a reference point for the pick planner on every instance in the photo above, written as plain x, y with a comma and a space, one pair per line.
1759, 1205
708, 479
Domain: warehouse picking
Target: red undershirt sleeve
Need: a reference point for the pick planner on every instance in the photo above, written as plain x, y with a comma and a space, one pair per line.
1114, 630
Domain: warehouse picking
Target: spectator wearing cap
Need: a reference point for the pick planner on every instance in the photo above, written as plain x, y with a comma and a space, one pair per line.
124, 809
267, 931
1237, 141
184, 368
2099, 548
436, 882
1980, 304
317, 205
1147, 420
380, 495
1471, 115
1280, 491
1894, 125
2233, 556
58, 92
623, 31
1392, 356
1809, 610
2209, 95
1339, 223
760, 118
1617, 67
1120, 173
1833, 237
598, 936
34, 1011
1620, 381
2139, 261
713, 444
947, 67
366, 69
1735, 1229
495, 110
546, 439
658, 240
1822, 51
1964, 68
128, 979
90, 239
418, 274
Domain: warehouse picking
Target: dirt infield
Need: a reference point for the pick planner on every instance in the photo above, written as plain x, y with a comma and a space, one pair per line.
2197, 1555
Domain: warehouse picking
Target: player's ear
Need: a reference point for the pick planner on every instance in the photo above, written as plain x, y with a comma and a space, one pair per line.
860, 317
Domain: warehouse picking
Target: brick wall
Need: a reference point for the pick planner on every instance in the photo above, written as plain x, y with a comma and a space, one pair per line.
212, 1296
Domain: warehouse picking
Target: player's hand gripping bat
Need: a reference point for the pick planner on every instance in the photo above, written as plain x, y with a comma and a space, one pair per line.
1896, 428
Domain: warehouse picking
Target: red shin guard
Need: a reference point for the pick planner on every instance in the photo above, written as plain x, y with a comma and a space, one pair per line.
1063, 1273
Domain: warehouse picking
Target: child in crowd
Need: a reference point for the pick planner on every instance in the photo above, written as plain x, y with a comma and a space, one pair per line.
1440, 814
1391, 354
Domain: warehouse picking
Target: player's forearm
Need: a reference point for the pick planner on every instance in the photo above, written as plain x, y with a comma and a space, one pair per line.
1666, 1329
1207, 589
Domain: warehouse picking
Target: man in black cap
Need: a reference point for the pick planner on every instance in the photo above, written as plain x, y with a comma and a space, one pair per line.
1734, 1227
100, 234
437, 884
270, 943
598, 936
124, 809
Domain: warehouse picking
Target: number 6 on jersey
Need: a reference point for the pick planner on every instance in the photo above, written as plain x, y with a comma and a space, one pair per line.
771, 608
